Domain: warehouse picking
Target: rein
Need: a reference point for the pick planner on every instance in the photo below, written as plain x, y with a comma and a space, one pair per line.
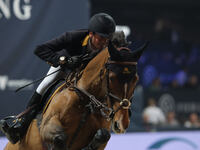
96, 103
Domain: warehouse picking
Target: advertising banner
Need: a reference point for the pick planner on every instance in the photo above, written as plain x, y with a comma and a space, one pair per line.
24, 24
185, 140
182, 101
155, 141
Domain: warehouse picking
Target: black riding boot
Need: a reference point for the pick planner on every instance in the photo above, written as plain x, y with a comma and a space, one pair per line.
17, 129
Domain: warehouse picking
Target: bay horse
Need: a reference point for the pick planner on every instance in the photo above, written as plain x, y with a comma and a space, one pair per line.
81, 116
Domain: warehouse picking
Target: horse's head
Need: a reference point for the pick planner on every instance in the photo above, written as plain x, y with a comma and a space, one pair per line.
112, 74
121, 82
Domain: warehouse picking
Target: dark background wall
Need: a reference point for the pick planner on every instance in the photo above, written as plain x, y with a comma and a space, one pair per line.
142, 15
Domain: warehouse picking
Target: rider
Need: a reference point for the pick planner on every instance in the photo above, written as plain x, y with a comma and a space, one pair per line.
74, 44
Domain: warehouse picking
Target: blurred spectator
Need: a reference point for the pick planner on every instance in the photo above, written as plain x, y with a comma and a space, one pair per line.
194, 56
172, 64
149, 74
174, 84
156, 85
152, 114
163, 29
180, 79
166, 30
174, 36
193, 82
171, 120
193, 121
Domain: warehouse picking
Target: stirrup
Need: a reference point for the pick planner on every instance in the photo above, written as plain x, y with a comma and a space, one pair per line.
11, 121
7, 127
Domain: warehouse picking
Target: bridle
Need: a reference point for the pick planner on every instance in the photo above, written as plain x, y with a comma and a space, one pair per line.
94, 103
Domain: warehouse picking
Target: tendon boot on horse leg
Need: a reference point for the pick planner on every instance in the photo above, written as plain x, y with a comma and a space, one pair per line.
17, 129
101, 137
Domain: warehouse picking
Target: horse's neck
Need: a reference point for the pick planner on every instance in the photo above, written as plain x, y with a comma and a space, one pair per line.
90, 79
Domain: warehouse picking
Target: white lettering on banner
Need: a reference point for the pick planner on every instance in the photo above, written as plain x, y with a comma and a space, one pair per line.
21, 11
26, 8
188, 107
5, 8
3, 82
7, 84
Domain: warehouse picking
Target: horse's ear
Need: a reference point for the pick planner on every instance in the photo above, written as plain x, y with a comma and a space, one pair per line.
124, 54
138, 52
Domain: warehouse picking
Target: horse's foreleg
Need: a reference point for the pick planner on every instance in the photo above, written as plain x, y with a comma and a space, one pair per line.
99, 140
53, 133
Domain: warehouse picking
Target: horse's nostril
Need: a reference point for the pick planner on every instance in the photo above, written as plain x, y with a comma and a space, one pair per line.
116, 125
59, 141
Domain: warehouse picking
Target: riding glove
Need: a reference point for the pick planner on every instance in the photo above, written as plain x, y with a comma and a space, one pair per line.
70, 62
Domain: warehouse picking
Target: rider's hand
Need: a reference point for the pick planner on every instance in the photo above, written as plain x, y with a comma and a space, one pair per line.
74, 62
71, 62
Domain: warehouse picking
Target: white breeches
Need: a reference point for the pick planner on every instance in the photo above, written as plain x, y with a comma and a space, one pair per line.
48, 81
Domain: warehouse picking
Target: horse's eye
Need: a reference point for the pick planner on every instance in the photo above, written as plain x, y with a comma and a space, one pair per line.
112, 76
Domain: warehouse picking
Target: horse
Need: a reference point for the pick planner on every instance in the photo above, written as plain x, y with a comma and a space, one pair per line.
80, 116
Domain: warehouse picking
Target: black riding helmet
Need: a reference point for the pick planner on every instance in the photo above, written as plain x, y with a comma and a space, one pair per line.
102, 24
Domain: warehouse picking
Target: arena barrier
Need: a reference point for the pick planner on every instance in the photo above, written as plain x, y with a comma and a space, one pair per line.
183, 140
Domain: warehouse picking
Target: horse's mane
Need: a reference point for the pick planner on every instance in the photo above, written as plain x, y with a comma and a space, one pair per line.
91, 74
99, 60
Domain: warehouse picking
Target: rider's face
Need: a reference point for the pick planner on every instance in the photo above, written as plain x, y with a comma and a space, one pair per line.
98, 42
